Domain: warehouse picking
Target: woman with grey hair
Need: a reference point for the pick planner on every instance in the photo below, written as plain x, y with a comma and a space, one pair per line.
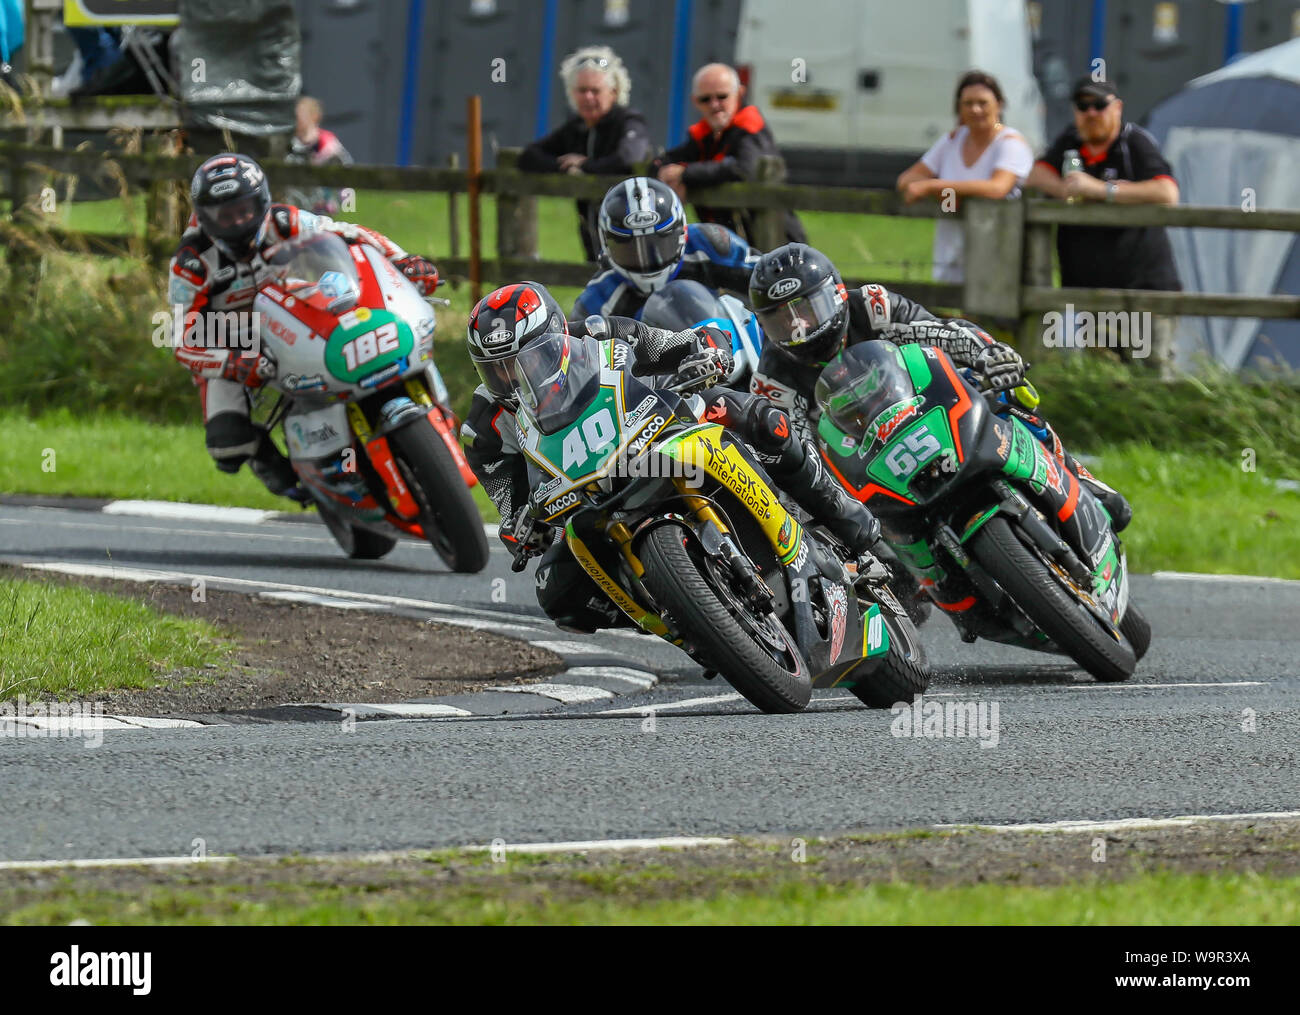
603, 137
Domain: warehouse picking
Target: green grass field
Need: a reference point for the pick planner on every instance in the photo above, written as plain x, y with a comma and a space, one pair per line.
63, 641
652, 895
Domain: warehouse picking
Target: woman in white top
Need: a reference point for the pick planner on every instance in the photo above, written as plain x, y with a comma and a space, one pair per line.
982, 157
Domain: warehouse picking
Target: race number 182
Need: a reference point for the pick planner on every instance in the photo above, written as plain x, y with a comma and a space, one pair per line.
364, 348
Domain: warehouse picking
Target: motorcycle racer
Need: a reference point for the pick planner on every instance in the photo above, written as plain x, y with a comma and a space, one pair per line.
645, 243
808, 316
215, 273
506, 320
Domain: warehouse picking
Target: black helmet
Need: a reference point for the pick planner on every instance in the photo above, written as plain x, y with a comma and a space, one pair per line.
801, 302
642, 229
231, 198
502, 323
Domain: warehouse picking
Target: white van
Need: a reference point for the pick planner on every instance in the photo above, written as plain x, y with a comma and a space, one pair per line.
856, 90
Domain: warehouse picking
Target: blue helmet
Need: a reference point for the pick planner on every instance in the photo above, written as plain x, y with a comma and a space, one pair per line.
642, 229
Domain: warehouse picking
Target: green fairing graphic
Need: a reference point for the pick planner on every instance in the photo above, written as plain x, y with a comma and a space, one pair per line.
372, 343
582, 448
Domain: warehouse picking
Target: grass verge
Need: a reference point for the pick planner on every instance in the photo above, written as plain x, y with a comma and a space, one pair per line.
1244, 524
121, 457
63, 641
660, 890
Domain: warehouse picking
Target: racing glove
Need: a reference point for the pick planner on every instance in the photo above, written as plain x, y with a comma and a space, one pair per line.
527, 537
250, 371
711, 362
419, 270
1000, 366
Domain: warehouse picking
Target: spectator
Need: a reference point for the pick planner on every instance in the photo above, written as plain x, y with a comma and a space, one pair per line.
313, 145
604, 136
11, 38
982, 157
723, 147
1121, 164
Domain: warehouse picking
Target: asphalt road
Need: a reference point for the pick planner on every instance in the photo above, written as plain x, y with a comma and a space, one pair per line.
1209, 724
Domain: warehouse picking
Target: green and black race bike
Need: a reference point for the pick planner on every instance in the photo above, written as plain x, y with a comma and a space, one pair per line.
1003, 537
677, 524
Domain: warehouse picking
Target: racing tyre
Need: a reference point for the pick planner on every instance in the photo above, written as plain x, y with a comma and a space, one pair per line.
1136, 629
1048, 600
755, 653
356, 542
448, 514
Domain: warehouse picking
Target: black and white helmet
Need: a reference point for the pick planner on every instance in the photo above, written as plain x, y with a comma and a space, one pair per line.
642, 228
801, 302
502, 323
231, 197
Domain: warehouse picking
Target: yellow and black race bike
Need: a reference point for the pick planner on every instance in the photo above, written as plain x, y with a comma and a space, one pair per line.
677, 524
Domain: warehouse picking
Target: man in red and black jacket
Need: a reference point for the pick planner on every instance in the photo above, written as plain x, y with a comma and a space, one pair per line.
723, 147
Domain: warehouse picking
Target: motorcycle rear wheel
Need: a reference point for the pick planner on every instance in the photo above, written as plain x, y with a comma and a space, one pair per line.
448, 514
678, 575
357, 542
1045, 598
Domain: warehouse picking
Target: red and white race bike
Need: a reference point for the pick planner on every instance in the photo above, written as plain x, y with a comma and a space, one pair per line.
365, 414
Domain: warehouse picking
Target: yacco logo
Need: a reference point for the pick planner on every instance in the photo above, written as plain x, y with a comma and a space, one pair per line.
781, 289
75, 968
641, 219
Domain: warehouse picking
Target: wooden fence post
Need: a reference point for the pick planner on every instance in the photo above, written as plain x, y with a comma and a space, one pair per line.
994, 235
769, 223
474, 131
453, 209
1037, 272
516, 214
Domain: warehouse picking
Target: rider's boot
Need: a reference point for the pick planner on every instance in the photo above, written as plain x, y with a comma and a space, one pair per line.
269, 464
799, 472
1115, 503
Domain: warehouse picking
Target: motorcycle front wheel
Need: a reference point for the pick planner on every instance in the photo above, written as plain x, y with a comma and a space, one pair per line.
754, 653
448, 514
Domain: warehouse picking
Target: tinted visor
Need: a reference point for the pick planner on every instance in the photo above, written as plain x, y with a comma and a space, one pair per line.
649, 253
557, 377
498, 377
860, 384
233, 220
803, 318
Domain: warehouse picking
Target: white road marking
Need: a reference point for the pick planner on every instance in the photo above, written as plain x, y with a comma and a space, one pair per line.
1141, 687
640, 678
569, 694
149, 861
671, 841
148, 575
173, 531
685, 703
408, 709
317, 600
1129, 824
572, 648
1195, 576
188, 512
156, 723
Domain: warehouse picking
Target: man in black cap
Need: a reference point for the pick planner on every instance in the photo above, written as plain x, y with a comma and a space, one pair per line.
1120, 164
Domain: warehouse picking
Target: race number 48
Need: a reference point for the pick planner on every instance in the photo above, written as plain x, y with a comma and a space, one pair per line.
372, 344
917, 448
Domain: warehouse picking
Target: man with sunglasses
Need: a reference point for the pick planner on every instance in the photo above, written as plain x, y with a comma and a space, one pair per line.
1121, 165
723, 147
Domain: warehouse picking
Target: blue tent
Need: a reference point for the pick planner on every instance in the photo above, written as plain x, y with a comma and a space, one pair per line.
1233, 138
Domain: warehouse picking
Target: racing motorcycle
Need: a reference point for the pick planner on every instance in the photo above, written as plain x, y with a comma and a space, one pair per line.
678, 526
684, 304
365, 414
972, 502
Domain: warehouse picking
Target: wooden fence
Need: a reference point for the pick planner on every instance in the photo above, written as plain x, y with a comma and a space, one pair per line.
1008, 249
